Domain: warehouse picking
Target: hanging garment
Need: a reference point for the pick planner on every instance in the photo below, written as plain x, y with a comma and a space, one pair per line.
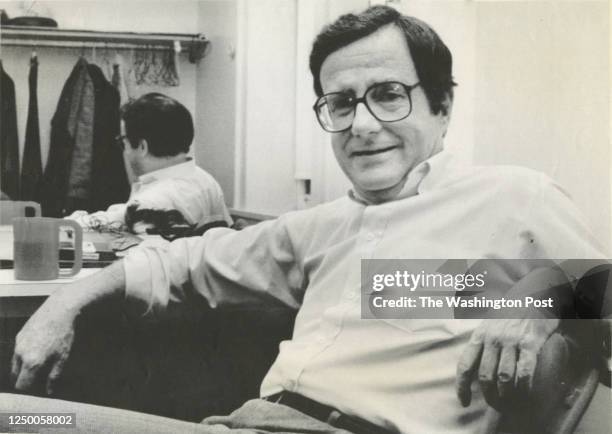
156, 68
118, 83
80, 126
31, 169
109, 181
57, 172
85, 170
9, 146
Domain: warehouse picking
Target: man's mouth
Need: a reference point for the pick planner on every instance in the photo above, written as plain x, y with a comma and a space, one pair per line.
372, 151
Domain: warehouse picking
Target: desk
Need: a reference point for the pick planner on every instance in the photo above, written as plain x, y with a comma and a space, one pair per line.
20, 298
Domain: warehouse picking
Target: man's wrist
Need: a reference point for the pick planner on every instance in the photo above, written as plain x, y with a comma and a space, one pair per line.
108, 283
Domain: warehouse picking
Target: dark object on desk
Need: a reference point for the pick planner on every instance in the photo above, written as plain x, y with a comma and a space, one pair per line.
32, 22
67, 255
105, 247
156, 221
169, 224
216, 224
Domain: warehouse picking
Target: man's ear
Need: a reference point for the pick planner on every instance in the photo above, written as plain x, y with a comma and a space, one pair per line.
445, 113
143, 146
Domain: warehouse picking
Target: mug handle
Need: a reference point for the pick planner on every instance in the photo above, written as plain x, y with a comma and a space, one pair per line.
32, 205
78, 247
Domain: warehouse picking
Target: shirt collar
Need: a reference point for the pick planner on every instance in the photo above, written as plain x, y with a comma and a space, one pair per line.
167, 172
420, 179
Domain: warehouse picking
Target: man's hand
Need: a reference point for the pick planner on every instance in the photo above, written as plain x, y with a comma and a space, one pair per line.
504, 354
42, 347
43, 344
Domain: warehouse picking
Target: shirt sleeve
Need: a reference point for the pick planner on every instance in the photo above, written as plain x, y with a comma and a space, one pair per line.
226, 267
556, 227
114, 213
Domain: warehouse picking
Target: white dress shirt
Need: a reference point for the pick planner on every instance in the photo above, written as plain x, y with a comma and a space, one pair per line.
396, 373
184, 187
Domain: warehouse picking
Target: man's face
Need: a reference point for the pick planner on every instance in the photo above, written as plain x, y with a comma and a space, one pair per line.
377, 156
130, 157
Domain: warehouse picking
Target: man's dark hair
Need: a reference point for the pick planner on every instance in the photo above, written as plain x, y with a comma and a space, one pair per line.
163, 122
432, 58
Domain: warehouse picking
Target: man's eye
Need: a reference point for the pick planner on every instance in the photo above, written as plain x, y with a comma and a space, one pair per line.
341, 105
388, 95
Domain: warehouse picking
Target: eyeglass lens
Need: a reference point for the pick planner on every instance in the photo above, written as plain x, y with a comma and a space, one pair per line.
387, 102
120, 141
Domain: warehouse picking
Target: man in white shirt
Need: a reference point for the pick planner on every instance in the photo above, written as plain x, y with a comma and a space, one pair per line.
156, 133
384, 83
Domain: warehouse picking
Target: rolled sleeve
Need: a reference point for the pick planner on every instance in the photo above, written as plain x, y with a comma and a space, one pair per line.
146, 279
253, 266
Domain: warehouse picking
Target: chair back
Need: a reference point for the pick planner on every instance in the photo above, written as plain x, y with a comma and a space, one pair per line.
10, 209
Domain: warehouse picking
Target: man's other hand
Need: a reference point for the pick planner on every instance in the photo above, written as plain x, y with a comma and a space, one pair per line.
503, 353
42, 347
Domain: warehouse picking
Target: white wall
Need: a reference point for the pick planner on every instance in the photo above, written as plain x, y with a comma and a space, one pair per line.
216, 87
269, 106
542, 96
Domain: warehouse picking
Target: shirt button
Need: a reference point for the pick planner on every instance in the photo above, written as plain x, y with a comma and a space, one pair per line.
369, 237
379, 233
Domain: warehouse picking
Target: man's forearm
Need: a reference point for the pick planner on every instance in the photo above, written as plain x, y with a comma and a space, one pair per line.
109, 283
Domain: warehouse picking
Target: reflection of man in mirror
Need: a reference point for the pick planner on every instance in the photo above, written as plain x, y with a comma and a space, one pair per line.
156, 133
385, 92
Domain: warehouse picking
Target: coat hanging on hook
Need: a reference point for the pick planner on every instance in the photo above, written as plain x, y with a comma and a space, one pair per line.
31, 169
9, 143
85, 170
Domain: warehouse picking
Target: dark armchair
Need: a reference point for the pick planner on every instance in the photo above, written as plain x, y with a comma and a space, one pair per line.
214, 361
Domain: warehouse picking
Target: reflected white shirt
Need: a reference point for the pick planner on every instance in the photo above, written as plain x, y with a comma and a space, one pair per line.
184, 187
396, 373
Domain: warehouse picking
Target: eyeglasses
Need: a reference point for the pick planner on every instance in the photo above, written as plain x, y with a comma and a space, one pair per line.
120, 141
388, 101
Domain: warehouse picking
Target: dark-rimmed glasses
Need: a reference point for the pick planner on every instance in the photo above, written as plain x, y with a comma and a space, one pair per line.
388, 101
120, 141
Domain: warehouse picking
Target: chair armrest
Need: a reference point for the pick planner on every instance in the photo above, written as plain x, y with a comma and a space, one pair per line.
564, 383
194, 364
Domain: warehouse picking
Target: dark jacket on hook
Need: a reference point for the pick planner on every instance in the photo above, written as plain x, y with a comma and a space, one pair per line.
31, 169
9, 143
84, 170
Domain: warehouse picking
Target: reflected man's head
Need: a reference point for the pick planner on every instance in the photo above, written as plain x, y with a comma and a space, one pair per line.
385, 89
154, 126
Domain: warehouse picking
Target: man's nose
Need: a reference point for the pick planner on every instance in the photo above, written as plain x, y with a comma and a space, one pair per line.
364, 123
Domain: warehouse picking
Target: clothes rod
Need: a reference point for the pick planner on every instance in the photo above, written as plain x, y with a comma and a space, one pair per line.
86, 45
25, 36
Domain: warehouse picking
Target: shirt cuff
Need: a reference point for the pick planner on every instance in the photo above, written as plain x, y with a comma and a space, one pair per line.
146, 278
